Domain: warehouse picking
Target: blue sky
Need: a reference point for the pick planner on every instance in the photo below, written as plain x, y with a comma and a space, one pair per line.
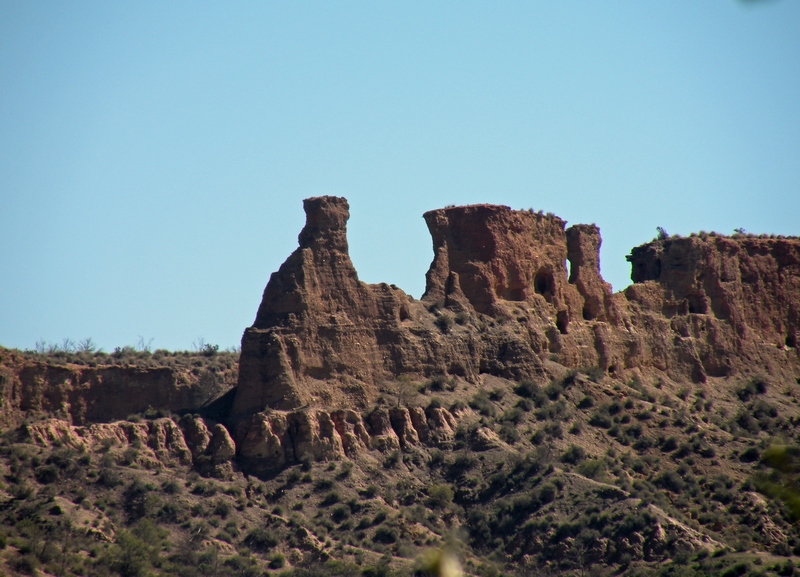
154, 156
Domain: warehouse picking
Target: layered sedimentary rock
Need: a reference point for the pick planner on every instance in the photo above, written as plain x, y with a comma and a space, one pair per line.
156, 441
728, 303
318, 322
751, 283
268, 441
98, 394
499, 301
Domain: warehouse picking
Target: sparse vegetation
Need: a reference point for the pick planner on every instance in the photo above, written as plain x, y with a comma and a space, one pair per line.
550, 470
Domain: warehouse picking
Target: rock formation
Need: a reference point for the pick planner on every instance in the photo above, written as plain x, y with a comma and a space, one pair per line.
156, 442
318, 322
268, 441
698, 307
499, 301
98, 394
750, 284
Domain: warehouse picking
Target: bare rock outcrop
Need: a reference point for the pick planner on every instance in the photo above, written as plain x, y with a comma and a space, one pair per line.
499, 255
317, 322
196, 434
268, 441
727, 302
159, 440
698, 307
583, 253
221, 447
156, 442
84, 395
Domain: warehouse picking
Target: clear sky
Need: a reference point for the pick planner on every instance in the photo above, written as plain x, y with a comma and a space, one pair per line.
154, 155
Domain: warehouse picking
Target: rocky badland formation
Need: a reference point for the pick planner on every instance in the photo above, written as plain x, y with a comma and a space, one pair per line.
334, 369
699, 307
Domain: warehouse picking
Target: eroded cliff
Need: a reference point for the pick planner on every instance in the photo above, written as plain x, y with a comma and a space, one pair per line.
499, 301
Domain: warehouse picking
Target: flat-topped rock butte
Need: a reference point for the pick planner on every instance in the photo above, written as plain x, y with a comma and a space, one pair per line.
499, 301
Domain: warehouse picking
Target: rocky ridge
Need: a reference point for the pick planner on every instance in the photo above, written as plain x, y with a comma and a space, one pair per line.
698, 307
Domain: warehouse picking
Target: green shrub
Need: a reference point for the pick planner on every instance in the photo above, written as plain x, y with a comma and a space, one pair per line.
171, 487
260, 540
323, 485
481, 403
755, 386
27, 564
595, 374
277, 561
736, 570
554, 430
530, 390
440, 496
591, 469
47, 474
509, 433
547, 493
435, 403
340, 513
222, 508
380, 517
600, 419
670, 480
462, 463
330, 499
669, 444
242, 566
437, 383
345, 469
386, 535
553, 391
573, 455
391, 460
370, 492
749, 455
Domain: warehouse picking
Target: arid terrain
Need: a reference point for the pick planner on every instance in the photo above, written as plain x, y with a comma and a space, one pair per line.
519, 416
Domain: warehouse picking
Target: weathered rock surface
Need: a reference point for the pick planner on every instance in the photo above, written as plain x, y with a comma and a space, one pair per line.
698, 307
500, 255
498, 302
159, 440
729, 299
95, 394
269, 441
156, 441
318, 322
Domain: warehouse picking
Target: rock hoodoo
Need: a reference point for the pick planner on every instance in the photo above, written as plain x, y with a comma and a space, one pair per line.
499, 301
317, 322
